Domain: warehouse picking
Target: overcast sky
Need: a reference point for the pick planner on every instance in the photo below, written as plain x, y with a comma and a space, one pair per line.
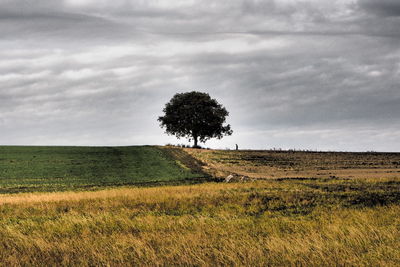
306, 74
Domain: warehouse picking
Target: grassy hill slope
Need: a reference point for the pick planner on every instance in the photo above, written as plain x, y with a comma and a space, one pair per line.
271, 222
25, 169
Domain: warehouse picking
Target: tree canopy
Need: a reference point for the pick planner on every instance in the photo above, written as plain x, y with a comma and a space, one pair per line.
195, 115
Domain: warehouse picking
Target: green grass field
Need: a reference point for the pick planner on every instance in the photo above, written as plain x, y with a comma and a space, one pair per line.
27, 169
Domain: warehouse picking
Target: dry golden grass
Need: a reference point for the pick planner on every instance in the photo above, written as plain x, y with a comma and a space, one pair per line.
289, 164
266, 223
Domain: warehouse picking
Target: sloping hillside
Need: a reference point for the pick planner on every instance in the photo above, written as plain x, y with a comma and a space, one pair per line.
69, 168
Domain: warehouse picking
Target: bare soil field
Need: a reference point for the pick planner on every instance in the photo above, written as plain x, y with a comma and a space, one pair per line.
298, 164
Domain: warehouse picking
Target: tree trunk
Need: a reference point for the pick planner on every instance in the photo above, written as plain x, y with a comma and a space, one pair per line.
195, 141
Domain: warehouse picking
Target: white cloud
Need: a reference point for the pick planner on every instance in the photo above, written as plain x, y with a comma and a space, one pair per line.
375, 73
80, 74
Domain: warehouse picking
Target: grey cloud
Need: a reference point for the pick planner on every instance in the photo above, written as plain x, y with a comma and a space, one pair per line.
387, 8
315, 74
59, 25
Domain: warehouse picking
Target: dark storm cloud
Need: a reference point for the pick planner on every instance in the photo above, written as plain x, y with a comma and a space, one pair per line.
305, 74
388, 8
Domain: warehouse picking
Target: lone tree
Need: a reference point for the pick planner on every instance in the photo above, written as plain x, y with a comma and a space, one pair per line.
195, 115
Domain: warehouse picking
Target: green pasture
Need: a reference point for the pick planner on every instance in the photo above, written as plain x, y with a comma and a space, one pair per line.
36, 168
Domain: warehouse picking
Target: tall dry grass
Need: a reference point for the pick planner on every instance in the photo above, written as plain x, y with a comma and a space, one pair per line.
266, 223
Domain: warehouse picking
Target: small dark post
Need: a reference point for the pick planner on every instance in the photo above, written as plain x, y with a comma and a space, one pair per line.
237, 147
